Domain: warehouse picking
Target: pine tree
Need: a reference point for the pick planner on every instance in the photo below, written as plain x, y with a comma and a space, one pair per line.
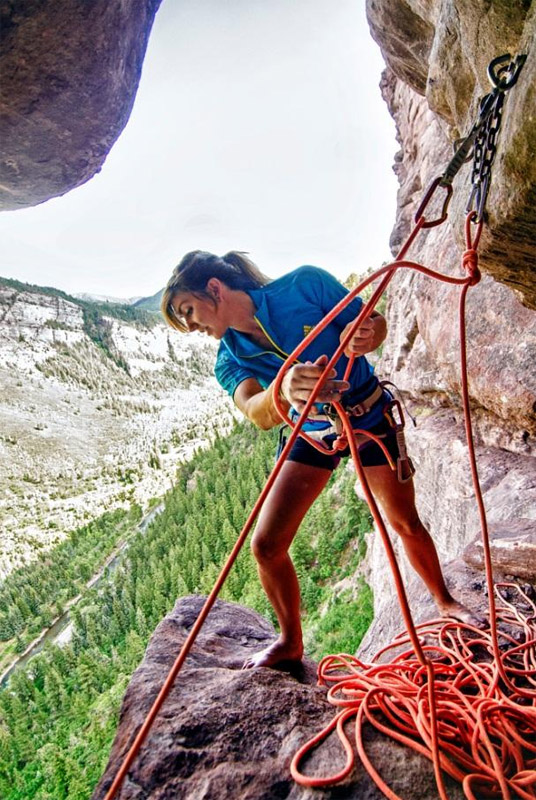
141, 624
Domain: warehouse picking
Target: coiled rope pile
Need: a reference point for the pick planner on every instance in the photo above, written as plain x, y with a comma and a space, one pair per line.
485, 731
463, 698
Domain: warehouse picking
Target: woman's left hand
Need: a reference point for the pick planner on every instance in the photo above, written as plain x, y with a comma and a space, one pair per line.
367, 337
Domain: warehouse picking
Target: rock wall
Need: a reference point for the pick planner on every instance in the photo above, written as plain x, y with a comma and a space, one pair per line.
423, 346
440, 52
224, 732
70, 70
436, 55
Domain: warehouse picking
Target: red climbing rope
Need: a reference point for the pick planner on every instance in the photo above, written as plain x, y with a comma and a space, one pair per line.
211, 599
463, 698
456, 696
486, 735
469, 716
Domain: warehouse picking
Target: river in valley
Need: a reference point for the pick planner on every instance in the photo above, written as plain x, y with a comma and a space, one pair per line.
60, 632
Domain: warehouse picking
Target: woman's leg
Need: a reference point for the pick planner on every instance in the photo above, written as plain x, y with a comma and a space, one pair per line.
398, 503
293, 493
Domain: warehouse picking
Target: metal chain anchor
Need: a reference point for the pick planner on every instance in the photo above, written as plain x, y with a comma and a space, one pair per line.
480, 144
503, 73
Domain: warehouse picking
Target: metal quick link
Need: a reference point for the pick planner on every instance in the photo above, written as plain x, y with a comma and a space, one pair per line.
480, 144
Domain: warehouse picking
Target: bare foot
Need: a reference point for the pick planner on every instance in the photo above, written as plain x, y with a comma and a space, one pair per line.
462, 614
274, 654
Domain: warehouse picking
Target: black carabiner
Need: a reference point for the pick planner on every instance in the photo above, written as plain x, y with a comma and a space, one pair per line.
512, 68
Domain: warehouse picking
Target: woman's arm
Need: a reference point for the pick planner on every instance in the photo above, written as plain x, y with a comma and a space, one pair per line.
258, 404
367, 337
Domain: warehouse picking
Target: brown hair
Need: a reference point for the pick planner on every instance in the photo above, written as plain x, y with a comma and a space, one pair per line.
195, 270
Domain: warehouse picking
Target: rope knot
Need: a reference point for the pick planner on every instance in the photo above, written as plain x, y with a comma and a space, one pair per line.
470, 265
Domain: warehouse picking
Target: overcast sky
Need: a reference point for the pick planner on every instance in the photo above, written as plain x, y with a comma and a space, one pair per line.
258, 126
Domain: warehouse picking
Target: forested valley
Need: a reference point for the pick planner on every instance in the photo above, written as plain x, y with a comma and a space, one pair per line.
59, 713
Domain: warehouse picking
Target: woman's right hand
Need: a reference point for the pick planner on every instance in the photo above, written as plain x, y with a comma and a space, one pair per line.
300, 380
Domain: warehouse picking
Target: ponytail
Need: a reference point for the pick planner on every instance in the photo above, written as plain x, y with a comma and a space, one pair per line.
195, 270
250, 271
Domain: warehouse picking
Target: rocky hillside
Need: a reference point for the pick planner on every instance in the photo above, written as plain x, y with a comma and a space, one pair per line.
98, 406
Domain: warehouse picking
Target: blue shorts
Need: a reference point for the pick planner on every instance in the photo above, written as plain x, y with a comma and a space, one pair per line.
370, 453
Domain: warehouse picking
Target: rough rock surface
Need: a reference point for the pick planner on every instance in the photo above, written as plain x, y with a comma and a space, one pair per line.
466, 582
224, 732
441, 50
436, 59
422, 351
447, 506
70, 70
513, 548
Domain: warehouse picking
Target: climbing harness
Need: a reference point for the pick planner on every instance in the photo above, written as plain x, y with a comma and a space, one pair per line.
363, 407
330, 416
463, 698
392, 413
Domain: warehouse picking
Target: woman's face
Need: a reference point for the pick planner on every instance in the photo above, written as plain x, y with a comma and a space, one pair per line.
200, 314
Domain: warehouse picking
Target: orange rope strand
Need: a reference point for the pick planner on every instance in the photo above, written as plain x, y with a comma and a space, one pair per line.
456, 695
469, 711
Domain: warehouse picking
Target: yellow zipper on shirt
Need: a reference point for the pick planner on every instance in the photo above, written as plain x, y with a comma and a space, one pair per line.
283, 357
277, 352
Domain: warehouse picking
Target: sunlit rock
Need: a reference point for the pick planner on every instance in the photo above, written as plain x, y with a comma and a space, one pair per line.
225, 732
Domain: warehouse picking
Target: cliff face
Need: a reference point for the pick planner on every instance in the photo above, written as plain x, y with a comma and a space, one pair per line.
440, 52
95, 412
423, 348
70, 71
436, 59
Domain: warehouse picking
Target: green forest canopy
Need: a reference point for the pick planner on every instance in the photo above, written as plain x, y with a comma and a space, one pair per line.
58, 716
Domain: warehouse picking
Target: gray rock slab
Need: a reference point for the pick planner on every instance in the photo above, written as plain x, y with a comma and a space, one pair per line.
70, 71
228, 733
512, 547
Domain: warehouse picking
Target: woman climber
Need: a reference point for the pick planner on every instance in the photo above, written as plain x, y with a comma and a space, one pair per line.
258, 323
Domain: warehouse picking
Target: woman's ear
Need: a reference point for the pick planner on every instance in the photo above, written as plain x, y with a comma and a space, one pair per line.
214, 289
